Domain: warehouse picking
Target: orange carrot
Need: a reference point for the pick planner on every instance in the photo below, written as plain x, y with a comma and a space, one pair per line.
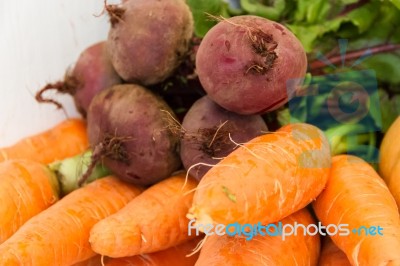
176, 256
60, 234
356, 196
296, 249
26, 188
394, 183
96, 260
266, 179
389, 163
331, 255
151, 222
390, 150
66, 139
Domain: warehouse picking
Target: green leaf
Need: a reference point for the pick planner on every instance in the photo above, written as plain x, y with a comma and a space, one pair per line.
389, 109
311, 11
284, 117
311, 25
307, 34
383, 29
200, 9
364, 16
396, 3
254, 7
386, 66
348, 2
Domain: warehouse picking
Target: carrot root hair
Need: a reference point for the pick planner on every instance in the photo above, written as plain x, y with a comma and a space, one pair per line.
198, 246
204, 164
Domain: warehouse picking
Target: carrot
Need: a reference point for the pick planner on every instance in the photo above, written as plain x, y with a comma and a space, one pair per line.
356, 196
176, 256
390, 150
331, 255
266, 179
96, 260
296, 249
64, 140
151, 222
394, 183
26, 188
389, 163
60, 234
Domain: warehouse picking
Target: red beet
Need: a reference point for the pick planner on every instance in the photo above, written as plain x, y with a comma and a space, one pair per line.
92, 73
149, 38
128, 131
207, 133
245, 62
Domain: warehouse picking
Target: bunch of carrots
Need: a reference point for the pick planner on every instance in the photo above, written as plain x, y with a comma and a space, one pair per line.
286, 177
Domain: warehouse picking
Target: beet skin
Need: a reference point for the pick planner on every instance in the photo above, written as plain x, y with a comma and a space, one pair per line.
244, 63
128, 131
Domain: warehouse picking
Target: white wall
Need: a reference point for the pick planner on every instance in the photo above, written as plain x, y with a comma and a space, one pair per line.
38, 40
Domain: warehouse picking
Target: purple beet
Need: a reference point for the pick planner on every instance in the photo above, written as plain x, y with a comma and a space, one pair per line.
92, 73
148, 38
129, 132
208, 131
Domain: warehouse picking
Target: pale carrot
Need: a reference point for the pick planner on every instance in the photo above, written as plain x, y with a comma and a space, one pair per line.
296, 249
60, 234
26, 188
331, 255
358, 199
66, 139
151, 222
266, 179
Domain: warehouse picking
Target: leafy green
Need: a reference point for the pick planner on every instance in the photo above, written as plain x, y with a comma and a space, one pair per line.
396, 3
388, 111
345, 106
387, 66
255, 7
311, 25
312, 11
200, 10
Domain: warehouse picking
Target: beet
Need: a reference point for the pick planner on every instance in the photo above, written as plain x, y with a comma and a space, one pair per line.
245, 62
207, 133
92, 73
148, 38
128, 131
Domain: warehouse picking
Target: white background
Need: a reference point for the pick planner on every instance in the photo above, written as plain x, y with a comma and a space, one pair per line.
39, 40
